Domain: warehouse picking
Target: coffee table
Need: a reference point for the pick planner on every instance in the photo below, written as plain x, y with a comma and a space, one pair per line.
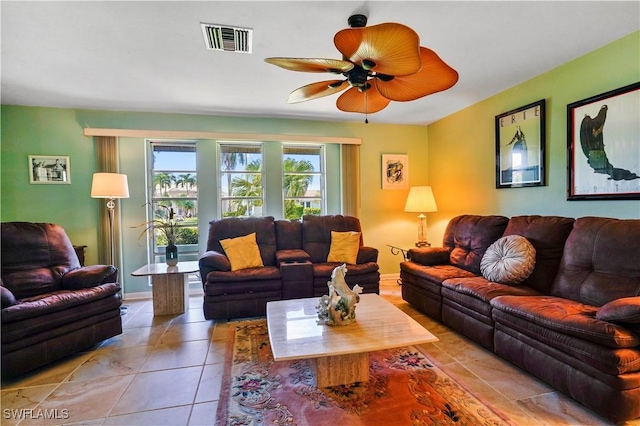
170, 285
341, 353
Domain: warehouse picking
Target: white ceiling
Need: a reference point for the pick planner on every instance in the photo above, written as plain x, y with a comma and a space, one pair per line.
150, 56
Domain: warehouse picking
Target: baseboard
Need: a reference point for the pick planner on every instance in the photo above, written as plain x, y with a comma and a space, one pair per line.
146, 295
394, 277
195, 291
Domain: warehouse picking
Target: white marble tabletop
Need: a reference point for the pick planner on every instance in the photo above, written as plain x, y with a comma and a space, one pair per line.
163, 268
295, 334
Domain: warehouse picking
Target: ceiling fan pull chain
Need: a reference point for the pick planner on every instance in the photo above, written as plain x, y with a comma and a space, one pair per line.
366, 104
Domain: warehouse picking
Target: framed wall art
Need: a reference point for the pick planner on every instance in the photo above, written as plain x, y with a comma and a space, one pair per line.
395, 171
520, 145
49, 169
603, 146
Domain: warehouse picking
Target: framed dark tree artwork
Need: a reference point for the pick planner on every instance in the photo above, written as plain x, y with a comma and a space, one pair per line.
520, 146
603, 144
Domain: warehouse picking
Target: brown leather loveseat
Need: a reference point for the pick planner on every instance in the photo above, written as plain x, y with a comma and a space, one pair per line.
51, 307
294, 256
574, 322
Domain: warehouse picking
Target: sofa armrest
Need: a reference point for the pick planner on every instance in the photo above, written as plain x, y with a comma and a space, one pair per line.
290, 256
367, 254
8, 299
625, 310
429, 256
89, 276
213, 261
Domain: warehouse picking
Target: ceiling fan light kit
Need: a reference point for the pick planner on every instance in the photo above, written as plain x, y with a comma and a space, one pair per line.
380, 64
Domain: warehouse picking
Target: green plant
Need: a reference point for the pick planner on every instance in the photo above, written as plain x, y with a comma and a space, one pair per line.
166, 225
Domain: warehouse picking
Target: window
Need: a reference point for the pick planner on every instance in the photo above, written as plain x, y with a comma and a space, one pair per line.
241, 190
173, 185
303, 180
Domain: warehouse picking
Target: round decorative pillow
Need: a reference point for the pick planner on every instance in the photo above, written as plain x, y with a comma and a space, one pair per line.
510, 260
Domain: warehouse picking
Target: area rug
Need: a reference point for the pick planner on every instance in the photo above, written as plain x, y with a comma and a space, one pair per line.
405, 388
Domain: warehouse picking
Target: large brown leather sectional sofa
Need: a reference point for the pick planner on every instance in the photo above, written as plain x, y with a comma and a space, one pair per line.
51, 307
573, 323
294, 254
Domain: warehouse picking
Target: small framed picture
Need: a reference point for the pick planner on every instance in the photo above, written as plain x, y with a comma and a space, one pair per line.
603, 135
395, 171
49, 169
520, 144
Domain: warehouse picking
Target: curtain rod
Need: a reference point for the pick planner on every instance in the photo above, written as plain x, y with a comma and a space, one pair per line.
187, 134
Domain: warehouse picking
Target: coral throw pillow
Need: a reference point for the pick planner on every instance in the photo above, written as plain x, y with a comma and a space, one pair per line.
510, 260
243, 252
344, 247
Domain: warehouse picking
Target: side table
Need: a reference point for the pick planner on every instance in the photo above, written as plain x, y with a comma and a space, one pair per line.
170, 286
397, 250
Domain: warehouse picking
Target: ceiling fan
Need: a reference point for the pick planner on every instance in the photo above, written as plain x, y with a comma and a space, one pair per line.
381, 63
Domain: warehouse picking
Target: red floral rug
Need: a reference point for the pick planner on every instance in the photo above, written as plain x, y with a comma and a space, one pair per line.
405, 388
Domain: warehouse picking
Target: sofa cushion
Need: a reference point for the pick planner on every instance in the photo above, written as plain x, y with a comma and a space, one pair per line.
34, 257
510, 260
600, 262
316, 233
436, 274
250, 274
566, 317
62, 300
232, 227
482, 289
288, 234
344, 247
243, 252
467, 237
548, 235
624, 311
325, 269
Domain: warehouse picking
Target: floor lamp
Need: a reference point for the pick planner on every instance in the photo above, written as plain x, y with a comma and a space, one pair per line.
110, 186
421, 200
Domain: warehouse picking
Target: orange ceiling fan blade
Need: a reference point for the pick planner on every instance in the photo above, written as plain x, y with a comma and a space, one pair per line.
393, 48
434, 76
312, 64
316, 90
367, 102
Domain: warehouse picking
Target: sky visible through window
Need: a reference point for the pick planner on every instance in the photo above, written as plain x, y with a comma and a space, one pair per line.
174, 160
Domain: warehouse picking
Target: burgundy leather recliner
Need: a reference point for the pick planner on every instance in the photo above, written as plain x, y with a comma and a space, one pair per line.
51, 306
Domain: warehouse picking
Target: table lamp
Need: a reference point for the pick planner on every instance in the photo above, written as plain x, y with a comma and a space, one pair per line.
110, 186
421, 200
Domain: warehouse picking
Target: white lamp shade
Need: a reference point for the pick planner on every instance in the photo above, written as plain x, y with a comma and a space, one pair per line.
109, 185
420, 200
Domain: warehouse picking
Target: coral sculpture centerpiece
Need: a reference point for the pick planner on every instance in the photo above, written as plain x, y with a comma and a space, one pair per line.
339, 307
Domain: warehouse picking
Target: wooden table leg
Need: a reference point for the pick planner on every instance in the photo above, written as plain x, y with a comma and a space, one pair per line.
170, 294
342, 369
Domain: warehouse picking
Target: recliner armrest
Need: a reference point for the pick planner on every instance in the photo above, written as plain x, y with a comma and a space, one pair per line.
89, 276
367, 254
429, 256
213, 261
293, 255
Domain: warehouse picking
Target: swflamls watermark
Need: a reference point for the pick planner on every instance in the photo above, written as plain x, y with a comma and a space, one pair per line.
31, 413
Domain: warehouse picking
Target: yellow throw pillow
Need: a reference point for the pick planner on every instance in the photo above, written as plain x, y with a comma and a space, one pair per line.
344, 247
243, 252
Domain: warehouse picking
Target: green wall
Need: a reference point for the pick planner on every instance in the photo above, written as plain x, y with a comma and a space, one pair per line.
52, 131
462, 146
457, 157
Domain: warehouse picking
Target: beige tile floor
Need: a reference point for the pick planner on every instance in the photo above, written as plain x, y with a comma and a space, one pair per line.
167, 371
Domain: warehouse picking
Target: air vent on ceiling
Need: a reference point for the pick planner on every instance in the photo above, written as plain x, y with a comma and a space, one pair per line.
228, 39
